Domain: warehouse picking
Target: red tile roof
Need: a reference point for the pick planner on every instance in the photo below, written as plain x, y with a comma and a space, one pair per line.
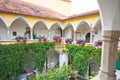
21, 7
83, 14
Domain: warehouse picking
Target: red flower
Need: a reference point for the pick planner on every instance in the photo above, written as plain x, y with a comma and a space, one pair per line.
24, 40
43, 75
18, 39
57, 39
30, 74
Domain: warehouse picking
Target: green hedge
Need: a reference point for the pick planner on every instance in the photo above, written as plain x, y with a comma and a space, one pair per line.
13, 57
81, 55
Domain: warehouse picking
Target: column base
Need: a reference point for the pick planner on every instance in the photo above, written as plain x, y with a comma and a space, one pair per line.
106, 76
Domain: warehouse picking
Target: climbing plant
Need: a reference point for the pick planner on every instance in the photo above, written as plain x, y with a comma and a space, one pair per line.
81, 55
13, 57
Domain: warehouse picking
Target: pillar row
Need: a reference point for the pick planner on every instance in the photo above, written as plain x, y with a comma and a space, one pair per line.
109, 52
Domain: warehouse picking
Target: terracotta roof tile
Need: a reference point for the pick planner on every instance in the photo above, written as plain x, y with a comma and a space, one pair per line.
83, 14
21, 7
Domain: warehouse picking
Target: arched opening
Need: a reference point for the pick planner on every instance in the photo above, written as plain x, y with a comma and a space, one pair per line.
19, 27
97, 30
82, 29
68, 31
88, 38
52, 59
55, 30
3, 30
40, 29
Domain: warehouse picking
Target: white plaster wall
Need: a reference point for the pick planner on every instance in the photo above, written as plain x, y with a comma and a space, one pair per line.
97, 36
3, 33
54, 32
63, 59
68, 33
19, 29
117, 74
43, 32
110, 14
119, 43
82, 34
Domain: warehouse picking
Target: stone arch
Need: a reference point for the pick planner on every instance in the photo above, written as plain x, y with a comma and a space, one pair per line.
82, 29
52, 59
3, 30
55, 29
110, 18
110, 14
19, 27
68, 31
40, 29
97, 30
97, 23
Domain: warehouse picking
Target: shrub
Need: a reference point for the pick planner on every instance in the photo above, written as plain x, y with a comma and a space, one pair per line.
81, 55
13, 57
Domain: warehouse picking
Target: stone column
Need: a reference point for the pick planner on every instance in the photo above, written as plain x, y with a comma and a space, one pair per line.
109, 52
74, 37
31, 34
63, 59
48, 34
91, 36
8, 33
62, 33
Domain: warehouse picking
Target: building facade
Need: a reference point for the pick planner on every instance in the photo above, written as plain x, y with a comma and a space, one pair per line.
25, 22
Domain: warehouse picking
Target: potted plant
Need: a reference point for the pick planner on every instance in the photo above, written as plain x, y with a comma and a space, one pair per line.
24, 40
42, 39
98, 43
68, 41
81, 42
19, 38
57, 39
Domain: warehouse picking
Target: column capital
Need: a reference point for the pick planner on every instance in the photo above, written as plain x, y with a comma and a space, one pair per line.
111, 33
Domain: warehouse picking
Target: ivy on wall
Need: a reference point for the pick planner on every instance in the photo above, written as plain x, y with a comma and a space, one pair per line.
13, 57
81, 55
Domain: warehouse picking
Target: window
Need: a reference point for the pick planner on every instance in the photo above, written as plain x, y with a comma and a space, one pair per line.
14, 33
